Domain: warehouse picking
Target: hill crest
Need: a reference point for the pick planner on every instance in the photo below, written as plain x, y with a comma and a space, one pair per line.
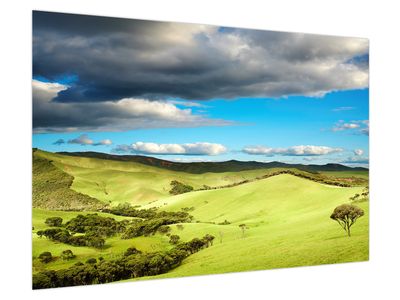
215, 167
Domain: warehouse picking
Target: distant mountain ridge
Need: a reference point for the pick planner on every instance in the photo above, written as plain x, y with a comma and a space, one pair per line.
215, 167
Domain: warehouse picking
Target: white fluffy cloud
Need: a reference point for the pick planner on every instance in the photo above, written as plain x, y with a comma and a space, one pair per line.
106, 142
358, 152
345, 126
84, 140
343, 108
81, 140
356, 160
199, 148
358, 126
301, 150
125, 114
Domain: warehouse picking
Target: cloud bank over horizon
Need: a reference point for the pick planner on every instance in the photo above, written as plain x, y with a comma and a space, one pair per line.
199, 148
300, 150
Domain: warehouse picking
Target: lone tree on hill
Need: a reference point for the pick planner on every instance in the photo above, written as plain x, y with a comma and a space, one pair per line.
346, 215
243, 227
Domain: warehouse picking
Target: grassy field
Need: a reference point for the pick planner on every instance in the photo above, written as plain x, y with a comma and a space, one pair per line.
287, 217
128, 182
289, 225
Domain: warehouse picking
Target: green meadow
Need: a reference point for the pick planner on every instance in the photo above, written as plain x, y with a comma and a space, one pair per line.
285, 219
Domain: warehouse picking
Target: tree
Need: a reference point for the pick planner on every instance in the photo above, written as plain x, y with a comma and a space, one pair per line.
221, 236
96, 242
131, 251
208, 239
179, 188
91, 261
243, 227
45, 257
163, 229
174, 239
346, 215
67, 254
54, 221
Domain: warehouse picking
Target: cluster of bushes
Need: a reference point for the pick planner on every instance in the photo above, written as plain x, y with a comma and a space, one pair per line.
174, 239
126, 210
363, 197
309, 176
54, 221
150, 222
96, 228
179, 188
151, 226
133, 264
47, 257
192, 208
93, 224
64, 236
225, 222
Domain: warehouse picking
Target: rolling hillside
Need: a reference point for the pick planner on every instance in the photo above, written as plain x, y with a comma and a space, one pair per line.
286, 217
114, 181
51, 188
288, 225
211, 167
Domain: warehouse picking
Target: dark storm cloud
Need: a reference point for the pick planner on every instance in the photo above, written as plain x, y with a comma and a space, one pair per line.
121, 115
116, 58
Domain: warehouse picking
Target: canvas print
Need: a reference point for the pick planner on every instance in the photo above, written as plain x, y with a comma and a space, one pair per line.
164, 149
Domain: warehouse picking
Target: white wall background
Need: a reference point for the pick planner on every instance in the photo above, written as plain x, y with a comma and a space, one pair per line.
371, 280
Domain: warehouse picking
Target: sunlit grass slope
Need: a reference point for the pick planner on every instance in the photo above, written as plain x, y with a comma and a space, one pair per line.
289, 225
287, 216
119, 182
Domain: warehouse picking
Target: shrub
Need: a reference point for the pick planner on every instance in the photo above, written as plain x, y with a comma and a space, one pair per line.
54, 221
132, 251
174, 239
226, 222
67, 254
45, 257
163, 229
91, 261
179, 188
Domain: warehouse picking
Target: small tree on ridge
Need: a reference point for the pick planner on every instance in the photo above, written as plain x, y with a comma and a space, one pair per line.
346, 215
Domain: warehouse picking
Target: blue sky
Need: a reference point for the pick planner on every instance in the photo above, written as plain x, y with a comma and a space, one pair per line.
266, 122
191, 92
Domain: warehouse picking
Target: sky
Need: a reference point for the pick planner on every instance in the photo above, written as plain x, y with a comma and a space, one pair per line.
189, 92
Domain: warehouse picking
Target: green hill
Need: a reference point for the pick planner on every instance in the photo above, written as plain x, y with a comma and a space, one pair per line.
288, 221
287, 217
51, 188
115, 181
214, 167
